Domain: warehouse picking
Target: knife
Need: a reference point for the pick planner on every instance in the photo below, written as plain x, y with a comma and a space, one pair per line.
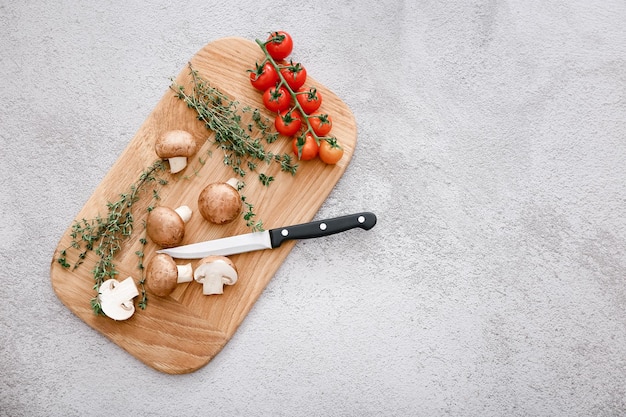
270, 239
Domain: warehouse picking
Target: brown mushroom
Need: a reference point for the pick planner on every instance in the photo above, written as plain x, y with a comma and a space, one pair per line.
220, 202
166, 227
175, 146
213, 272
162, 274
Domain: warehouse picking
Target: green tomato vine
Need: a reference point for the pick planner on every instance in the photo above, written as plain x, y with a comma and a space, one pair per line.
296, 104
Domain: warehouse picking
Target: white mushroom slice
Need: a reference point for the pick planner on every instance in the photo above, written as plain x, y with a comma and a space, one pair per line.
116, 298
214, 272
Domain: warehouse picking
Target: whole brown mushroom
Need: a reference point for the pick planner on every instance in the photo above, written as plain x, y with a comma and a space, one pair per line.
220, 202
162, 274
175, 146
166, 227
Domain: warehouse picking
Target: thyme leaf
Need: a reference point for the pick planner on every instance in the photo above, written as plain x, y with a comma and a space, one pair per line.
243, 146
104, 235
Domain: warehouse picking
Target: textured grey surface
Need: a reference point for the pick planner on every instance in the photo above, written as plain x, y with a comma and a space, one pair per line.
492, 146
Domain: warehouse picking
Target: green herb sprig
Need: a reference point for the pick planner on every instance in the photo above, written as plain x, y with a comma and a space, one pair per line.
242, 145
104, 235
220, 114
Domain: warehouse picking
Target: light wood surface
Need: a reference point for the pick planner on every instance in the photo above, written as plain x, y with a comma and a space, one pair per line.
184, 331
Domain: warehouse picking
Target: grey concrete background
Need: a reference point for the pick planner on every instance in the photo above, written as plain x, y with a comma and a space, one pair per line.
492, 146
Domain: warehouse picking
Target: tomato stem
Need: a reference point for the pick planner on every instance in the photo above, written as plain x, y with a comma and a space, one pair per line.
275, 37
311, 93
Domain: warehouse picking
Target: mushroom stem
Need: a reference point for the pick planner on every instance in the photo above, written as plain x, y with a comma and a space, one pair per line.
126, 290
177, 163
184, 212
212, 284
233, 182
185, 273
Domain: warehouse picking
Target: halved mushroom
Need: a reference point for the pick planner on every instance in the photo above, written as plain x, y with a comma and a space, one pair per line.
116, 298
162, 274
220, 202
175, 146
166, 227
213, 272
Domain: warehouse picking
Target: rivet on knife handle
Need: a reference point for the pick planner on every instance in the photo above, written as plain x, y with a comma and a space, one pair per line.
365, 220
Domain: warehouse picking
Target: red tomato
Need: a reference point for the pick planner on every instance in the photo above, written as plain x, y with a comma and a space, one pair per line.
279, 44
330, 151
321, 123
263, 77
288, 122
276, 99
294, 75
310, 100
305, 148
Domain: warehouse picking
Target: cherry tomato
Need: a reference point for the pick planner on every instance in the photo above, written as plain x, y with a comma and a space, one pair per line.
321, 123
288, 122
295, 75
310, 100
330, 151
305, 148
276, 99
279, 44
263, 77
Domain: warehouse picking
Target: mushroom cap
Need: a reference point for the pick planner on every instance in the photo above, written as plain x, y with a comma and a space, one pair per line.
219, 203
161, 275
213, 258
175, 143
165, 227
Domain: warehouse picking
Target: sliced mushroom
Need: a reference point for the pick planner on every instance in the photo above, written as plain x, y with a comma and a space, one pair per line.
162, 274
116, 298
220, 202
166, 227
213, 272
175, 146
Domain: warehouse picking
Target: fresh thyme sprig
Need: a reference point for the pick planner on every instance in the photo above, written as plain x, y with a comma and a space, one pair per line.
104, 235
220, 114
143, 301
241, 145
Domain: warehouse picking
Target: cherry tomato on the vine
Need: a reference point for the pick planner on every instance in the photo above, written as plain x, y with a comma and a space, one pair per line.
294, 75
330, 151
279, 44
310, 100
305, 148
276, 99
288, 122
263, 77
321, 123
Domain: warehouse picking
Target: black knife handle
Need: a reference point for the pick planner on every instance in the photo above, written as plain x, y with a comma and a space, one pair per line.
319, 228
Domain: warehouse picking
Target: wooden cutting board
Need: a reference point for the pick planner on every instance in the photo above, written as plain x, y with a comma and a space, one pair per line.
184, 331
